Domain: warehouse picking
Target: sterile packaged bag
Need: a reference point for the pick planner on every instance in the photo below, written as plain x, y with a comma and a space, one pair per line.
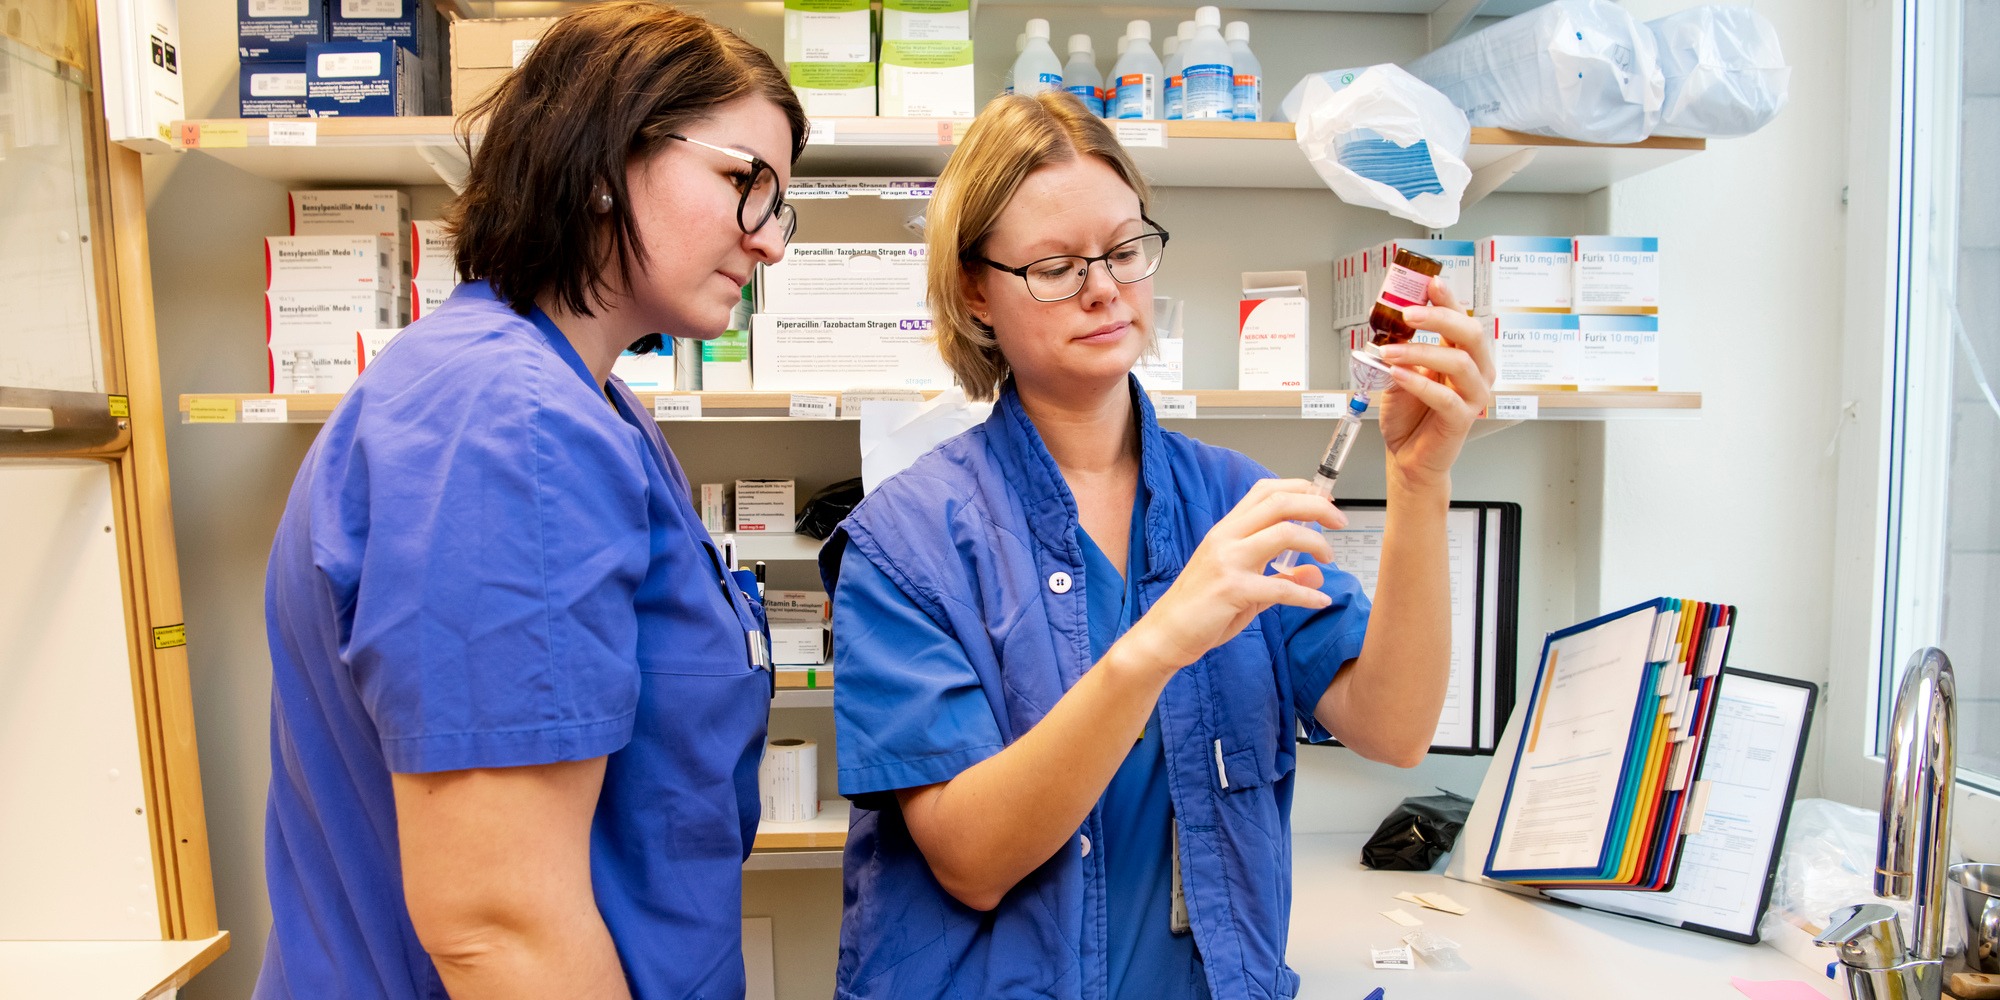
1575, 69
1387, 141
1724, 70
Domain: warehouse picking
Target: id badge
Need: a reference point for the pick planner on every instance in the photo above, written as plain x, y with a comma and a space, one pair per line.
1177, 915
760, 651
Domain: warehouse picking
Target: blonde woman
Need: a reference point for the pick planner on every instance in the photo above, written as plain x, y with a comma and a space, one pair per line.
1068, 684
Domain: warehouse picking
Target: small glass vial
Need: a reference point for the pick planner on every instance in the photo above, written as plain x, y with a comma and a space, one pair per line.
1408, 283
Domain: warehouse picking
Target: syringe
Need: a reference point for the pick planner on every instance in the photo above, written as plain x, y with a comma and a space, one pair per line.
1329, 465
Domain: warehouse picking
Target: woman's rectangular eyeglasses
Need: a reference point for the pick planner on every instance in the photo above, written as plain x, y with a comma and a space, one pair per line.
762, 197
1053, 279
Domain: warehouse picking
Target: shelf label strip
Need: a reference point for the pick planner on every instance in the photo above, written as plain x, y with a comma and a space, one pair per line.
1516, 407
676, 407
1322, 405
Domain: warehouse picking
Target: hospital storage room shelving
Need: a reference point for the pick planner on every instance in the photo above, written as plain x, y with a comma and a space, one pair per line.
1210, 157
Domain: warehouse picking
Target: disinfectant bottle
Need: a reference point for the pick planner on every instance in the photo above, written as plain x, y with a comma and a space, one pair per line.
1136, 76
1170, 72
1209, 81
1037, 69
1080, 75
1020, 44
1249, 75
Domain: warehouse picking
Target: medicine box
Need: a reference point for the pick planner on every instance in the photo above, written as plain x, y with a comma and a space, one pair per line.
374, 342
381, 212
829, 31
314, 363
1535, 350
307, 263
830, 89
483, 50
764, 506
399, 21
323, 315
361, 80
800, 627
271, 90
1513, 274
430, 252
827, 279
649, 372
278, 30
715, 507
1618, 352
426, 296
1616, 275
725, 363
1161, 368
927, 79
833, 353
926, 20
1272, 331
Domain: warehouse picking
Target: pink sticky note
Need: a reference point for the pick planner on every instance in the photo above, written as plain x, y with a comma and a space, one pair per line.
1776, 989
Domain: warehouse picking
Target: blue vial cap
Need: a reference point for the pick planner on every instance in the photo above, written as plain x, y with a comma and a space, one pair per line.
1357, 404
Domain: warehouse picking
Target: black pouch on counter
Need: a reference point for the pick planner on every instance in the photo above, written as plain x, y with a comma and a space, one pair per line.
828, 508
1420, 831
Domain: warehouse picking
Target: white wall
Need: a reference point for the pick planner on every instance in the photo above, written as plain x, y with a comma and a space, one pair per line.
1736, 505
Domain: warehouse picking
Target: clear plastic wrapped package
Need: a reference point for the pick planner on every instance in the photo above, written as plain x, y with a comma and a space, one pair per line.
1828, 863
1724, 71
1576, 69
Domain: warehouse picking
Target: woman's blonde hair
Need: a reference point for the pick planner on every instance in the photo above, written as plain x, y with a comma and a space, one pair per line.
1012, 137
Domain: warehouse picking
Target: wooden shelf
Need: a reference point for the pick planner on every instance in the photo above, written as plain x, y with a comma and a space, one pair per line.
425, 151
1490, 8
828, 830
1209, 403
105, 970
804, 679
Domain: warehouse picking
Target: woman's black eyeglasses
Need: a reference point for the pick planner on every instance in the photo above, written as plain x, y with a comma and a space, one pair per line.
762, 197
1053, 279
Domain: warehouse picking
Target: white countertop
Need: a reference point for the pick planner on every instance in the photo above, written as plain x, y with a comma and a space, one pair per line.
103, 970
1519, 948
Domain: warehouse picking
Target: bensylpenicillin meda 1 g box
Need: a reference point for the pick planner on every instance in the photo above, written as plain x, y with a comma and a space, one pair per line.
312, 263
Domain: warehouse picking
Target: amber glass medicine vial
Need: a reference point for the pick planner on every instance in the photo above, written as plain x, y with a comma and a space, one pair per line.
1408, 283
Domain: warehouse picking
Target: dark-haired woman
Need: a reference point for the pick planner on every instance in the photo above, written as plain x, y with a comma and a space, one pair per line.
518, 702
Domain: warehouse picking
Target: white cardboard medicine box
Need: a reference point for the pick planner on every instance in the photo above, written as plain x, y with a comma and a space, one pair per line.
765, 506
834, 353
430, 253
1513, 274
312, 263
1535, 350
1616, 275
1271, 341
830, 279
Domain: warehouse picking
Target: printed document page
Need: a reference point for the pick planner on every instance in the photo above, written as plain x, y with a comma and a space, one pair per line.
1358, 550
1578, 732
1749, 770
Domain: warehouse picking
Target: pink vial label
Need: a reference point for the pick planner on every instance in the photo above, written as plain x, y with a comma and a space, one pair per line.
1404, 287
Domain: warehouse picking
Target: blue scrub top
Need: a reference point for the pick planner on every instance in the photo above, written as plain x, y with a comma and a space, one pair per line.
486, 562
909, 708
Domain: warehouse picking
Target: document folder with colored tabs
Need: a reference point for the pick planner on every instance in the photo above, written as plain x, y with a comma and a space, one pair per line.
1605, 783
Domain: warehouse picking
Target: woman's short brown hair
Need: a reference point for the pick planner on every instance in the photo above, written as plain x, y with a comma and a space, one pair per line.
605, 85
1013, 137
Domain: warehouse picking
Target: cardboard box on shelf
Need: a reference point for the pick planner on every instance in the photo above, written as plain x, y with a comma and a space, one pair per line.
309, 363
836, 278
1534, 350
649, 372
1516, 274
1616, 275
362, 79
426, 296
1618, 353
832, 353
311, 263
765, 506
829, 31
801, 629
1272, 331
271, 90
430, 252
326, 315
927, 79
828, 89
485, 49
926, 20
278, 30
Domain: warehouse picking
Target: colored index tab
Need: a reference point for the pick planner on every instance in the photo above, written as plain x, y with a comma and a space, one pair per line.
219, 135
211, 411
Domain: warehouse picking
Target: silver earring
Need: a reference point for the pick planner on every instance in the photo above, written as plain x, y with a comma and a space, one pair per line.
602, 204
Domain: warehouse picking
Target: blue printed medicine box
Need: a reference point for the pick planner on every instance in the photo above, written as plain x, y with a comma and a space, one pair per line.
398, 21
361, 79
272, 90
278, 30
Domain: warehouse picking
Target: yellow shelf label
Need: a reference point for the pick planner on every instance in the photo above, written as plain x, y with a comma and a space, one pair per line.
214, 135
211, 411
121, 406
170, 636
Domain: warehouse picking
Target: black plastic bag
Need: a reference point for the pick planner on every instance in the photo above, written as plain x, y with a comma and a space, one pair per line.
1420, 831
827, 508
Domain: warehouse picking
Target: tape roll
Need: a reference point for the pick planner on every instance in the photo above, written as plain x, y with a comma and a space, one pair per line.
788, 780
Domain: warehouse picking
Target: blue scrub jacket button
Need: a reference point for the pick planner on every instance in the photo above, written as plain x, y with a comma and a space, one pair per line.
1059, 582
1086, 844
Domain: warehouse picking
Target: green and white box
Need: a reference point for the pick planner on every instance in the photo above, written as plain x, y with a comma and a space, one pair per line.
835, 89
725, 362
927, 79
829, 31
926, 20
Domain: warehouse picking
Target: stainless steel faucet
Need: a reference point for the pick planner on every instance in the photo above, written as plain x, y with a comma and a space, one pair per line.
1913, 847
